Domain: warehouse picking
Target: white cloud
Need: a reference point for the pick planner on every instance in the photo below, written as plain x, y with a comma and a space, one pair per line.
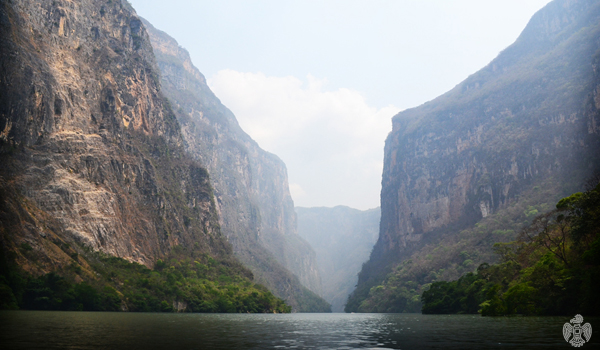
297, 191
331, 141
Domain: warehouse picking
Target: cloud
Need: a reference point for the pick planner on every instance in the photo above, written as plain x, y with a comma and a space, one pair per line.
331, 141
297, 191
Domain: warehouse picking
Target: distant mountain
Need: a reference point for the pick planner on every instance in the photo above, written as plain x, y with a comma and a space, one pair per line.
251, 187
343, 238
476, 164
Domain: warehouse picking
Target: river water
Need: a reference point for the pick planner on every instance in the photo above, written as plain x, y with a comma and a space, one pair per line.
104, 330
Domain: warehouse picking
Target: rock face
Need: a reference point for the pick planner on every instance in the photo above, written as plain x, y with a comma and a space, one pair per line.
530, 118
91, 151
343, 239
251, 187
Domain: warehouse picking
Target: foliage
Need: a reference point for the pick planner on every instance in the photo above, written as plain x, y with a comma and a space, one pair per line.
459, 296
179, 283
446, 255
308, 301
553, 269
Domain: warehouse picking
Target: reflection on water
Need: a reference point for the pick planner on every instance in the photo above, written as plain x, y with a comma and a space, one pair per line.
99, 330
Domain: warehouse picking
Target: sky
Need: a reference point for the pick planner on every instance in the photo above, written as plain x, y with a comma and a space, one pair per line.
317, 82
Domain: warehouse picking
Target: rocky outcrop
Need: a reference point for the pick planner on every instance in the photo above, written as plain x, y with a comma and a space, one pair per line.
251, 187
91, 151
343, 239
530, 118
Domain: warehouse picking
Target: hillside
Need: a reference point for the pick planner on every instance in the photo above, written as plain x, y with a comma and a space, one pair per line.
342, 238
95, 183
553, 268
477, 164
253, 200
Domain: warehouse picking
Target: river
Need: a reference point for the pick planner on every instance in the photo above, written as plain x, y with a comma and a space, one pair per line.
105, 330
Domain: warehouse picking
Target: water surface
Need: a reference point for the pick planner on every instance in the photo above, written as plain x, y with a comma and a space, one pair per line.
104, 330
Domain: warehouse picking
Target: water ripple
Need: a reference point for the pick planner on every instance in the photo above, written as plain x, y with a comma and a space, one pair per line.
87, 330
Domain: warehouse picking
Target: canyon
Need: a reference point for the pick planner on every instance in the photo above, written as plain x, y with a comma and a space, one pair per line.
342, 238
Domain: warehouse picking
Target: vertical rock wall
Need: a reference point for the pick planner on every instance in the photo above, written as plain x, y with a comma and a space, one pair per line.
530, 115
91, 152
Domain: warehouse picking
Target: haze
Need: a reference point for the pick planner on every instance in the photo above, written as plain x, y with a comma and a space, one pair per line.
317, 82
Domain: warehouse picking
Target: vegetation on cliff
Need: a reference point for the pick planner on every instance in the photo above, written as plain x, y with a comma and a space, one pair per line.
552, 269
187, 281
446, 256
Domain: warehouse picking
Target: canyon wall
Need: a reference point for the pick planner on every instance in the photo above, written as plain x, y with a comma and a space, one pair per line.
92, 154
527, 122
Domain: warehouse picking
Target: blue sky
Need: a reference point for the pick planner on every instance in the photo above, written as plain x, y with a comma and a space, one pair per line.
317, 82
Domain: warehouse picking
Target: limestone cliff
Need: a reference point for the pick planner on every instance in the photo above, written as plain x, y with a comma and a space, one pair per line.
91, 152
527, 122
251, 187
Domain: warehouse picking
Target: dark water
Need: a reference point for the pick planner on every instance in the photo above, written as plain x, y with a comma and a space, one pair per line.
96, 330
